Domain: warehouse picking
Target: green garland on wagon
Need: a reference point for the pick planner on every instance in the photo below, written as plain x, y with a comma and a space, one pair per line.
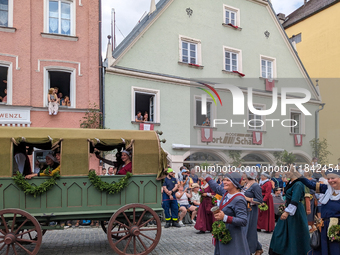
220, 232
107, 187
21, 182
334, 233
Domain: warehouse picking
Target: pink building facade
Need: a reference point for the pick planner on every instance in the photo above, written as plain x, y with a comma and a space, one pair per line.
45, 44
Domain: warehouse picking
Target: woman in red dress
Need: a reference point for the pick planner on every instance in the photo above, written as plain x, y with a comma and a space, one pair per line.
266, 219
205, 218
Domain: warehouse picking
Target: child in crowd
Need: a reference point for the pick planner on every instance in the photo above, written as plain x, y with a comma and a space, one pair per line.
53, 102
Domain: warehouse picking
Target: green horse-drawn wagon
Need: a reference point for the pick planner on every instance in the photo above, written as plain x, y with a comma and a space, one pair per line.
126, 203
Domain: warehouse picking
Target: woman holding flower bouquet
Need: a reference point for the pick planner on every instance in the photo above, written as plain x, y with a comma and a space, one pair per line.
330, 212
233, 212
266, 219
205, 218
291, 234
52, 167
253, 194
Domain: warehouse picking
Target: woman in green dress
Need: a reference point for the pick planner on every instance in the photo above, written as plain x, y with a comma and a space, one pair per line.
291, 234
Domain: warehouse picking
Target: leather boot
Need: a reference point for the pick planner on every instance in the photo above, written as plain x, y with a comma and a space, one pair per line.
167, 224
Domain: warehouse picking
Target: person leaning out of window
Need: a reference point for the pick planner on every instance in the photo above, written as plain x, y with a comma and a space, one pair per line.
127, 167
52, 167
206, 122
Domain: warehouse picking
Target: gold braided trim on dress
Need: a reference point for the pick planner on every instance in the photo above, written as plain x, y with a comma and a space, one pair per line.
317, 187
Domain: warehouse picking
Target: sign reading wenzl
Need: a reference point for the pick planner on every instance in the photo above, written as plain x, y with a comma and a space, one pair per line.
223, 138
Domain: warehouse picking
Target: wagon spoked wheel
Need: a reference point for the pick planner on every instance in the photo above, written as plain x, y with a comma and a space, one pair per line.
104, 225
134, 236
19, 232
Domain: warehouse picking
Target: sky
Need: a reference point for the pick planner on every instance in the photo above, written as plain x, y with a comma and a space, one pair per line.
129, 12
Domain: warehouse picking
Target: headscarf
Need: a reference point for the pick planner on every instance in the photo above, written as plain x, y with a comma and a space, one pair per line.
235, 178
330, 190
52, 157
266, 175
251, 173
127, 152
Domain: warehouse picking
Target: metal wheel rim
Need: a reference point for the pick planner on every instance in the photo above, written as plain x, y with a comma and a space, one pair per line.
140, 225
12, 236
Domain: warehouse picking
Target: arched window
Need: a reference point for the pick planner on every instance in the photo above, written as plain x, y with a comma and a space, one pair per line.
198, 158
253, 159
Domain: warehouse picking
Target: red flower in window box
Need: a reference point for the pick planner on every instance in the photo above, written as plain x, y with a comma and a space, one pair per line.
240, 74
229, 24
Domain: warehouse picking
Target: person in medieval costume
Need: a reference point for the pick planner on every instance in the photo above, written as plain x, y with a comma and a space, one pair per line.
266, 219
291, 234
21, 161
253, 194
205, 217
330, 210
233, 211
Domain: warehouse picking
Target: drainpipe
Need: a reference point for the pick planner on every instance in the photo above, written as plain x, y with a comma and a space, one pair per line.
101, 103
317, 128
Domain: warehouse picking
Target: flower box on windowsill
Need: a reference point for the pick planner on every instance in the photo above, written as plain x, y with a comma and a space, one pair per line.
232, 26
60, 37
191, 65
8, 29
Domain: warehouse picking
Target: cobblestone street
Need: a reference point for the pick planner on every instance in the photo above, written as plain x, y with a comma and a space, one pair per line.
86, 240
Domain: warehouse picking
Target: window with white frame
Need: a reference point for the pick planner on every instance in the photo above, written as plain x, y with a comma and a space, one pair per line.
295, 123
146, 101
255, 121
3, 83
203, 119
231, 15
268, 67
232, 59
6, 13
6, 82
60, 17
64, 81
190, 51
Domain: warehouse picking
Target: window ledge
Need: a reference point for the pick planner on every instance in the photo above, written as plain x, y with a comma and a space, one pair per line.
60, 37
231, 26
297, 134
251, 131
191, 65
232, 73
147, 122
61, 109
8, 29
199, 127
261, 78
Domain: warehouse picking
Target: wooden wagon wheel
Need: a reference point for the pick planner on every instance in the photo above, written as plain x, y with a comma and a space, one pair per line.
17, 227
104, 225
136, 237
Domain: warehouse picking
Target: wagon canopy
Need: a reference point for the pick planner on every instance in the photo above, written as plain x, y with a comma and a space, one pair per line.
77, 144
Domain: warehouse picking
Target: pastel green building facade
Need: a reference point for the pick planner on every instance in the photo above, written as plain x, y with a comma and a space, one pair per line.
152, 60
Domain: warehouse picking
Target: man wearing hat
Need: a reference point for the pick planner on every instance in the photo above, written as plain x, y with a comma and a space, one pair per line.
170, 187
